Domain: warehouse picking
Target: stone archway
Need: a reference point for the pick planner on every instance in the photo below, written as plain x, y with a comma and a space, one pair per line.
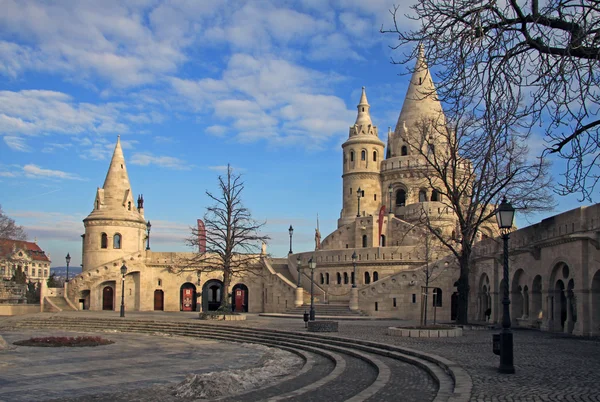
212, 295
240, 298
187, 297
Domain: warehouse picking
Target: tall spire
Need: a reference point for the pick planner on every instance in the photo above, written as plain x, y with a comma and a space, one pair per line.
421, 101
364, 117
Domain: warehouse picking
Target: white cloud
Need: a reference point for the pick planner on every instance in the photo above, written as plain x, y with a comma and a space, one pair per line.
16, 143
35, 172
146, 159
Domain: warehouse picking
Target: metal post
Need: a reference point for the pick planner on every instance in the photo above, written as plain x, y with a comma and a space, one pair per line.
312, 294
358, 194
506, 336
123, 296
67, 270
291, 232
354, 275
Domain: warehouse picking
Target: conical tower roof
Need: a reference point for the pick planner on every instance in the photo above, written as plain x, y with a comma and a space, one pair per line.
421, 101
364, 115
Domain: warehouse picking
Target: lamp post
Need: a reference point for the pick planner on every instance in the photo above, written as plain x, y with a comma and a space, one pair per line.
358, 195
148, 226
68, 260
123, 272
291, 232
298, 267
312, 265
390, 191
354, 264
505, 215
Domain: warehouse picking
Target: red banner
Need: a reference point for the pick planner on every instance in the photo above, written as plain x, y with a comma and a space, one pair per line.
201, 237
381, 215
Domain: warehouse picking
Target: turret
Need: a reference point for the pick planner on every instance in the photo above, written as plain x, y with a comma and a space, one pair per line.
362, 154
115, 227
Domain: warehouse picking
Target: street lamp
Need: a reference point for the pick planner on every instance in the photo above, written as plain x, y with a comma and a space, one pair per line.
358, 195
148, 226
505, 215
354, 264
291, 232
68, 259
312, 265
298, 264
123, 272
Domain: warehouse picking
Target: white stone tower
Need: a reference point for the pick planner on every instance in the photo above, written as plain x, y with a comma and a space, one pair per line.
362, 155
116, 228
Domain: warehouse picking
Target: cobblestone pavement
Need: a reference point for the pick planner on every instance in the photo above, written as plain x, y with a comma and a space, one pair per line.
549, 367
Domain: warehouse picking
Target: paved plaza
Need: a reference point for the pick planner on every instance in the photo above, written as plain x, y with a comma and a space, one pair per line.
549, 367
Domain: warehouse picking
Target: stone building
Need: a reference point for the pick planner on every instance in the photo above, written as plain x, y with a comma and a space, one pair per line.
554, 271
27, 256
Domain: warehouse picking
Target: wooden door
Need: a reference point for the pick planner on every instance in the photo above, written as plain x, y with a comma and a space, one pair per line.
108, 297
240, 297
159, 299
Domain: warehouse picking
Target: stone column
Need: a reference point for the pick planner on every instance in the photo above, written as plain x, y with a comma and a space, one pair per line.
299, 301
44, 292
547, 312
354, 299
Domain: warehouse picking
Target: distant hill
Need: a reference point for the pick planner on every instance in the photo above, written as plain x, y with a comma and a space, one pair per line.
61, 272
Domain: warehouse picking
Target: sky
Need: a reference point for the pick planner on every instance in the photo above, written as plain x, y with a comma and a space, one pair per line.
270, 87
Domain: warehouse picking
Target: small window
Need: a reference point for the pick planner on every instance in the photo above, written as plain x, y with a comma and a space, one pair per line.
400, 198
339, 278
327, 278
435, 195
345, 278
129, 205
394, 300
414, 298
403, 150
97, 204
45, 272
363, 155
350, 190
363, 108
351, 156
104, 241
422, 196
374, 156
376, 306
160, 282
322, 279
437, 297
375, 197
117, 241
375, 276
367, 278
364, 241
420, 80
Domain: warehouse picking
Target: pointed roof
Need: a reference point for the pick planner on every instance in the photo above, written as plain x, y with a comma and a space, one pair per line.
421, 99
363, 117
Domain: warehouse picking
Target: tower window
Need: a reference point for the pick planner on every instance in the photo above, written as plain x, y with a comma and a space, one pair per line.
374, 156
363, 109
420, 80
401, 198
351, 156
129, 205
435, 195
363, 155
97, 204
403, 151
422, 196
117, 241
364, 241
350, 190
103, 241
374, 197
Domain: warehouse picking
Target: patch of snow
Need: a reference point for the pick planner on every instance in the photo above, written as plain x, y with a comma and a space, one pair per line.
274, 364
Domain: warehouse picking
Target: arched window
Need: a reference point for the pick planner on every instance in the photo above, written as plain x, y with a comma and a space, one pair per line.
345, 278
375, 276
374, 156
352, 278
364, 240
403, 151
327, 278
367, 278
363, 155
435, 195
103, 241
422, 196
382, 240
129, 205
401, 198
322, 279
437, 297
351, 156
339, 278
97, 204
117, 240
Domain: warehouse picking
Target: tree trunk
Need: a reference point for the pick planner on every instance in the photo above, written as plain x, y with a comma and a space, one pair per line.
225, 305
463, 289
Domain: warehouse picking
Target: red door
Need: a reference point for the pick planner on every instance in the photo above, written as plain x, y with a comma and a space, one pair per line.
240, 296
187, 299
159, 300
107, 298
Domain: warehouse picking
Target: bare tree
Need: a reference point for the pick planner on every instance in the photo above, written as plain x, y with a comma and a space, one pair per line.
232, 237
9, 229
547, 53
469, 164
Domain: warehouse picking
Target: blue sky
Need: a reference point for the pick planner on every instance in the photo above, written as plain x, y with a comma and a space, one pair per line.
268, 86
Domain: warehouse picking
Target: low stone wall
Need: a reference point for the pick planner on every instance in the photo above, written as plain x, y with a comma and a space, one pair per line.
451, 332
322, 326
222, 317
19, 309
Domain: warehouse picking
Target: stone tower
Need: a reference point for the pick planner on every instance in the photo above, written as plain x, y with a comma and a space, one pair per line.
115, 229
362, 153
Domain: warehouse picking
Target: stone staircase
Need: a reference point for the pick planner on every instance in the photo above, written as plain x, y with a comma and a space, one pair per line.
337, 310
57, 304
335, 369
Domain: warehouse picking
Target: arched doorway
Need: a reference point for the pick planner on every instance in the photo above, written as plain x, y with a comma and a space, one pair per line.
159, 300
187, 297
108, 298
454, 306
240, 298
560, 304
212, 295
